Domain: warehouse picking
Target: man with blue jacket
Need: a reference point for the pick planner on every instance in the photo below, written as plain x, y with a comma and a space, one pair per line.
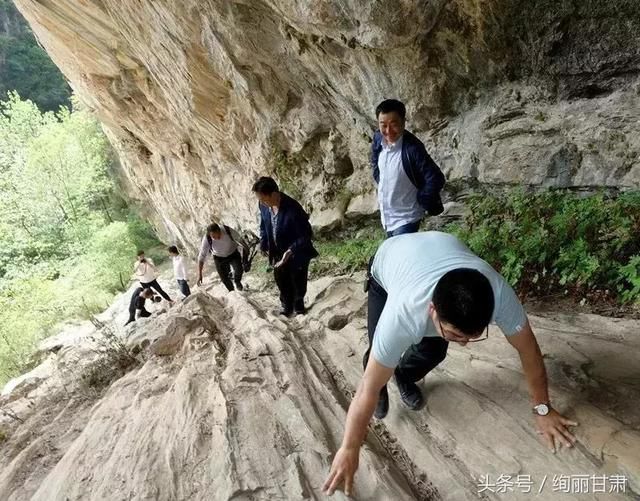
409, 181
285, 236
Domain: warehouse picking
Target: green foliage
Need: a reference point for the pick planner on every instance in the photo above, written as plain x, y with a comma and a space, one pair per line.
68, 239
285, 168
341, 256
25, 67
556, 240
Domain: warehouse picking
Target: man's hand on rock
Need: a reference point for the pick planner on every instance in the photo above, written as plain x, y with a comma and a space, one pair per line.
343, 469
553, 430
199, 282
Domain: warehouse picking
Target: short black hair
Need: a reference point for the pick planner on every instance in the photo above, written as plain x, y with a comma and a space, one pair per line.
213, 228
173, 249
265, 186
464, 298
391, 105
140, 252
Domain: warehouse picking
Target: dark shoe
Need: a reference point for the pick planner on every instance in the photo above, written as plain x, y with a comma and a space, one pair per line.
299, 308
286, 312
410, 394
239, 286
383, 404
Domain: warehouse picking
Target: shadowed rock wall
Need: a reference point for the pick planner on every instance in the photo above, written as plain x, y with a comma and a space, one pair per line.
199, 98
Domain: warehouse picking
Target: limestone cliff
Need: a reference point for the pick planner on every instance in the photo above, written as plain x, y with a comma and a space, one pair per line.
199, 98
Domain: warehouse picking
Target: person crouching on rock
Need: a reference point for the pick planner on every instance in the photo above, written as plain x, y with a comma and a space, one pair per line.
223, 243
285, 237
136, 306
179, 270
146, 272
426, 290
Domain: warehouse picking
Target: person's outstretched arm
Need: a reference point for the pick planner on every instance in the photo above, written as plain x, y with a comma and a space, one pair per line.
364, 402
553, 426
205, 248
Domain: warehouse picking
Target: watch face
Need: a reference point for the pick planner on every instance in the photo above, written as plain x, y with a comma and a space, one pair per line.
542, 409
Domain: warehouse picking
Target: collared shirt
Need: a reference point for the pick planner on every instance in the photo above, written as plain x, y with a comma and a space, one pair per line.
223, 247
179, 269
274, 223
397, 196
408, 267
146, 272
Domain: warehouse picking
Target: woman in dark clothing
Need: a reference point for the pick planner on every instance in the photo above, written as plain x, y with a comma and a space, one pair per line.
285, 237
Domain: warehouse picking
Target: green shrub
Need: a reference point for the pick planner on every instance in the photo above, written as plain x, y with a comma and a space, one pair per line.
556, 240
345, 255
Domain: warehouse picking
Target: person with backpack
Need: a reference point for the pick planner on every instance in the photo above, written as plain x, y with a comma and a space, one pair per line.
285, 237
409, 181
223, 243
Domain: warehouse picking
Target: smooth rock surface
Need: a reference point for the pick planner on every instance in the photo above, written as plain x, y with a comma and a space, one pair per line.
242, 404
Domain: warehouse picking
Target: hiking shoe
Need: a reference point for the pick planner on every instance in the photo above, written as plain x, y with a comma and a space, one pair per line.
410, 394
286, 312
383, 404
239, 286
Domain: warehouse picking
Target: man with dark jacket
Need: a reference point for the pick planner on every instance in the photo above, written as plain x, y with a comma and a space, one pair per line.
285, 236
136, 305
409, 181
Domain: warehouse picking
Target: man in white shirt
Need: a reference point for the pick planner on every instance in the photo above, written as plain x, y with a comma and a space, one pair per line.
427, 290
146, 272
409, 181
223, 243
179, 270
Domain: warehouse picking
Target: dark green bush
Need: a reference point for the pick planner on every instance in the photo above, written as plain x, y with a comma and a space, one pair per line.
556, 240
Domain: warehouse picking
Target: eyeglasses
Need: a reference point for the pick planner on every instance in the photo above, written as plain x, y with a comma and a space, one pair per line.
468, 339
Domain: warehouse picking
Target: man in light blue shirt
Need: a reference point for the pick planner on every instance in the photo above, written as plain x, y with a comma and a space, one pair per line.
427, 290
409, 181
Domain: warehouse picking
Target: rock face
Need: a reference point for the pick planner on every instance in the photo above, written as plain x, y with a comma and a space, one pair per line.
199, 98
237, 404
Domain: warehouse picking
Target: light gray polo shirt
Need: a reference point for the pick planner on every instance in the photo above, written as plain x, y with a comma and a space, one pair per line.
408, 267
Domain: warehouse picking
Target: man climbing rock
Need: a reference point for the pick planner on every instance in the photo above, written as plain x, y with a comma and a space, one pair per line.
409, 181
286, 238
223, 243
137, 304
427, 290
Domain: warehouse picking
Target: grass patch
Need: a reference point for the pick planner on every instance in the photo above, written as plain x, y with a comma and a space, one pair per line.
344, 255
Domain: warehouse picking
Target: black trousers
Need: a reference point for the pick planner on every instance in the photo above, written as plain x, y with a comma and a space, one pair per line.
155, 285
132, 315
184, 287
291, 280
420, 358
224, 265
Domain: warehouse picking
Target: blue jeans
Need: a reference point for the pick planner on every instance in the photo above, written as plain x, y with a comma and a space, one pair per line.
405, 228
184, 287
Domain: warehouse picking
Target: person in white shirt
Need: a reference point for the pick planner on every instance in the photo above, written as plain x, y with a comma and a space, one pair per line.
146, 272
223, 243
409, 181
179, 270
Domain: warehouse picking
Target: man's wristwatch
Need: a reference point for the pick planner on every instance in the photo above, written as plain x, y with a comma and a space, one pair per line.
542, 409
